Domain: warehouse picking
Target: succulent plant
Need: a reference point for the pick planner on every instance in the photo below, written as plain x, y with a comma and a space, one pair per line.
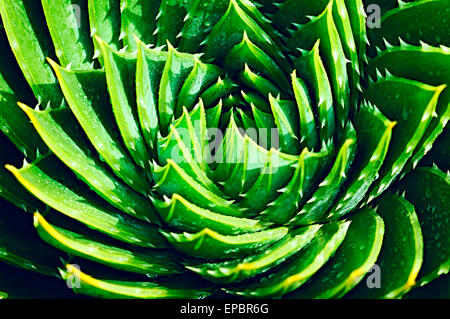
192, 149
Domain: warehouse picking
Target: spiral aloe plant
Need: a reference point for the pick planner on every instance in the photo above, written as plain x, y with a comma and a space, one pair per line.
201, 148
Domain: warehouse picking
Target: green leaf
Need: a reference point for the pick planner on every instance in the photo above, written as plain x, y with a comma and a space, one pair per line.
414, 22
21, 247
183, 147
67, 21
285, 116
70, 147
188, 187
87, 95
112, 289
402, 251
373, 132
49, 182
306, 174
138, 19
203, 15
308, 132
427, 189
258, 263
31, 44
294, 273
295, 12
120, 77
218, 90
324, 29
228, 31
411, 104
328, 190
425, 64
247, 52
179, 213
149, 68
170, 19
15, 124
354, 257
105, 20
176, 70
311, 67
258, 83
148, 262
210, 244
201, 77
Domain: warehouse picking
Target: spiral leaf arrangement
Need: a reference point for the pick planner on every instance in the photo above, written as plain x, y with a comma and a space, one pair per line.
194, 148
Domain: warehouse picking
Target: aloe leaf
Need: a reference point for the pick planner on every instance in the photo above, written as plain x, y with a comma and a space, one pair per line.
265, 123
311, 67
179, 213
138, 18
295, 12
213, 115
247, 122
201, 77
323, 27
374, 132
112, 289
70, 147
414, 22
13, 192
343, 25
199, 131
105, 20
299, 268
411, 104
171, 15
73, 45
427, 189
10, 188
258, 83
143, 262
328, 190
31, 45
202, 16
402, 251
15, 125
307, 124
149, 68
276, 173
120, 76
258, 263
255, 99
11, 72
183, 147
47, 181
357, 16
210, 244
177, 69
247, 52
235, 166
228, 32
220, 89
87, 95
307, 171
285, 116
354, 257
189, 188
425, 64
